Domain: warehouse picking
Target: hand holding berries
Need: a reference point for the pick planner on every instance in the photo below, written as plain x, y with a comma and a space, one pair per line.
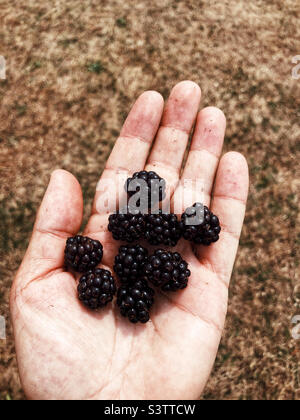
132, 265
102, 354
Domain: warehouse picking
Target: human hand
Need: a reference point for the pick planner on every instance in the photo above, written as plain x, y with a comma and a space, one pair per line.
65, 351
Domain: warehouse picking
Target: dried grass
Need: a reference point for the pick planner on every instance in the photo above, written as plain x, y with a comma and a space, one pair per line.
74, 69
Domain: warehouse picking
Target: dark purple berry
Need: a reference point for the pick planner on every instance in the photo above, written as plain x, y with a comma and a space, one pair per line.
155, 187
135, 301
162, 229
129, 263
96, 288
167, 270
200, 225
82, 253
127, 225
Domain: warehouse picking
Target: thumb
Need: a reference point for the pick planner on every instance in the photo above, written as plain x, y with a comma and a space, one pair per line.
59, 217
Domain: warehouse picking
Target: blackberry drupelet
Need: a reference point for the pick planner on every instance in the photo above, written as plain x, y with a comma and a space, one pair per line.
167, 270
129, 263
208, 229
128, 225
162, 229
135, 301
155, 186
96, 288
83, 253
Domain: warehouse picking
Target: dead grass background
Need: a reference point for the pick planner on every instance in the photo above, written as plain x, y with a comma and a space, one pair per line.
73, 70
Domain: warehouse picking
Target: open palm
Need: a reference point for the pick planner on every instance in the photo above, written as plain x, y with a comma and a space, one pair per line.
64, 350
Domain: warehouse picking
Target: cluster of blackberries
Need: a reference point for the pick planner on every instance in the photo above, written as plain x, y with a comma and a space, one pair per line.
96, 287
135, 269
198, 224
133, 265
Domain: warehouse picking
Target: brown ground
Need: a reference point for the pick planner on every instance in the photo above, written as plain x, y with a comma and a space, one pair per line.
74, 69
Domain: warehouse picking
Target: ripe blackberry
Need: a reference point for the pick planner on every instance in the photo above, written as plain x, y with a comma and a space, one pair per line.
129, 263
206, 231
83, 253
155, 187
163, 229
127, 225
167, 270
96, 288
135, 301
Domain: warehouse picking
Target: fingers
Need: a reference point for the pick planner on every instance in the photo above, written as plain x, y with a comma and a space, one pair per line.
132, 147
172, 138
229, 203
199, 172
205, 152
59, 217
